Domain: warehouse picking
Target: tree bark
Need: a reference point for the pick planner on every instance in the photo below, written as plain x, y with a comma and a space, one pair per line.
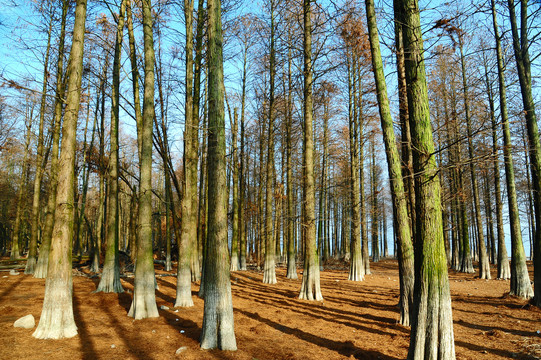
188, 231
110, 278
394, 166
57, 319
33, 246
310, 287
144, 299
218, 327
43, 258
520, 285
432, 322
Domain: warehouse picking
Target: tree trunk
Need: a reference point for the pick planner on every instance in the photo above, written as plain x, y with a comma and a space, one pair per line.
188, 231
520, 280
356, 265
290, 202
21, 194
144, 300
310, 287
269, 271
56, 320
432, 322
484, 265
235, 207
217, 329
33, 247
398, 195
110, 278
43, 258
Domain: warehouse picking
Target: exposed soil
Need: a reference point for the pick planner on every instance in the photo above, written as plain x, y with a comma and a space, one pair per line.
356, 320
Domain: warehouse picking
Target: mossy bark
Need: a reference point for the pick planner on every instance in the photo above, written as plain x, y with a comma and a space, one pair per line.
520, 282
432, 321
394, 168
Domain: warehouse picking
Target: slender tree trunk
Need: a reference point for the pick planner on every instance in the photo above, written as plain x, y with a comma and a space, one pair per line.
235, 207
188, 231
21, 194
374, 201
43, 258
269, 271
310, 287
217, 329
56, 320
356, 265
504, 271
110, 278
33, 247
432, 322
395, 169
520, 280
242, 180
144, 300
290, 203
484, 264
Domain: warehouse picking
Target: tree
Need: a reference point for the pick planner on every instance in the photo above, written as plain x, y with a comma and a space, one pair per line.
57, 319
432, 322
110, 278
144, 299
218, 326
394, 166
522, 58
188, 231
33, 246
310, 287
503, 260
269, 273
40, 271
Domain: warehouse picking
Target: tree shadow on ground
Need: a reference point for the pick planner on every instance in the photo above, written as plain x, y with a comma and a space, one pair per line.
11, 287
87, 345
345, 348
491, 328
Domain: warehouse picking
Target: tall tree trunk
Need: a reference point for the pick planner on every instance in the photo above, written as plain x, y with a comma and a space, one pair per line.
235, 207
33, 247
356, 265
56, 320
374, 201
217, 329
432, 322
520, 280
484, 265
290, 202
395, 169
310, 287
43, 258
406, 156
100, 233
520, 47
242, 180
269, 271
504, 271
144, 299
110, 278
188, 231
21, 193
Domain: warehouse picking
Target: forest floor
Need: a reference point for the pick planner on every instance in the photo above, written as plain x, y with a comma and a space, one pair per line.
355, 320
